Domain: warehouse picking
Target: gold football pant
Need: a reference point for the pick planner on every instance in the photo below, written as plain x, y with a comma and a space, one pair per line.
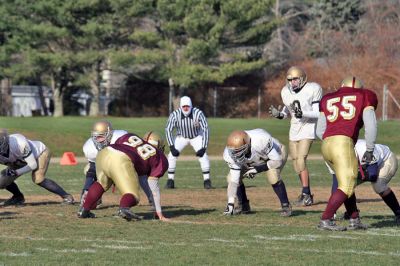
115, 167
298, 152
339, 153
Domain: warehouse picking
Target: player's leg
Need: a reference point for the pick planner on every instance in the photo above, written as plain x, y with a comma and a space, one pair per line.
103, 160
299, 151
386, 173
39, 178
339, 152
125, 178
274, 178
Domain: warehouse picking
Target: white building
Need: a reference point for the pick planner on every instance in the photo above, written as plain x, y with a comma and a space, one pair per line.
26, 100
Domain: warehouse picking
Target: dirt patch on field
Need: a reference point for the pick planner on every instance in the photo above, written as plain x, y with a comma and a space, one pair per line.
260, 198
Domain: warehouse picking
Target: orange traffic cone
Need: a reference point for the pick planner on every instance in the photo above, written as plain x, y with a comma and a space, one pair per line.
68, 158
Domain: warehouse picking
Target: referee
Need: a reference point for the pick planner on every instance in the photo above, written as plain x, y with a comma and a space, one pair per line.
191, 128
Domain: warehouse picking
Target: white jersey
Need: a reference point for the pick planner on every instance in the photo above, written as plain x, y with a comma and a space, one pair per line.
90, 150
302, 128
20, 148
263, 148
381, 153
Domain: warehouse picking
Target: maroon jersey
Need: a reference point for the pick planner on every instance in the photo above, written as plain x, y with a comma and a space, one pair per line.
343, 111
147, 159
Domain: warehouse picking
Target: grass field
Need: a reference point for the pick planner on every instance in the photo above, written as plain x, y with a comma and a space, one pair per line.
45, 232
69, 133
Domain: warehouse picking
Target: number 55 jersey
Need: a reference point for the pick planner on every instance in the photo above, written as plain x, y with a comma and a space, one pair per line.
343, 110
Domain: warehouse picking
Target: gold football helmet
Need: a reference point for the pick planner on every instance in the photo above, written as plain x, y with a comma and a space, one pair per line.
102, 132
4, 142
238, 145
155, 139
352, 82
296, 72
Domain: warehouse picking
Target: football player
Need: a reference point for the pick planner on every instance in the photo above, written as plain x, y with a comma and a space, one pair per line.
379, 173
102, 135
21, 156
247, 154
121, 164
343, 113
301, 100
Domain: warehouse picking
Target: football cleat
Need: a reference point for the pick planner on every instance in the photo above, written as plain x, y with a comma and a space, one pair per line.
128, 215
304, 200
242, 208
170, 183
68, 200
207, 184
330, 225
355, 224
286, 210
14, 201
82, 213
229, 210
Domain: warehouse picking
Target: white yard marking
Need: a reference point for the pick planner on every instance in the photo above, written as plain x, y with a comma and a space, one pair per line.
12, 254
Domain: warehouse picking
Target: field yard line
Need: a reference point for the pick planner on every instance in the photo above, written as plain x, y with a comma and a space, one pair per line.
12, 254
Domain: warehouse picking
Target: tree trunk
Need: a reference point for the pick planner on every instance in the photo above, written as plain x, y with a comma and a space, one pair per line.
95, 90
57, 98
6, 97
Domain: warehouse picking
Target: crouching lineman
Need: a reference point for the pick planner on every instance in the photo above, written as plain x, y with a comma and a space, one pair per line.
102, 135
121, 164
248, 153
379, 173
21, 156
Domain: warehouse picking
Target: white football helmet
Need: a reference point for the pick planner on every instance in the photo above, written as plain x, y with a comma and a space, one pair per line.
186, 101
4, 142
293, 73
155, 139
102, 132
238, 145
352, 82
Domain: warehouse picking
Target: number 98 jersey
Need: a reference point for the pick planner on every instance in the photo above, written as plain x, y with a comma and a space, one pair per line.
343, 110
147, 159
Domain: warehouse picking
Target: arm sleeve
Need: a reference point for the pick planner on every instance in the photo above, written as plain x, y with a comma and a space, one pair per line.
204, 127
31, 164
321, 126
170, 128
314, 113
371, 128
155, 190
233, 185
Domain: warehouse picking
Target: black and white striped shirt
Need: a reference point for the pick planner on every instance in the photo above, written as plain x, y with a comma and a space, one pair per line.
188, 127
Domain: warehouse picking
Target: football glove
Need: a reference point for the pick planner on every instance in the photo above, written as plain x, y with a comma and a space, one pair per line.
251, 173
295, 106
10, 172
229, 209
368, 157
174, 151
200, 153
275, 112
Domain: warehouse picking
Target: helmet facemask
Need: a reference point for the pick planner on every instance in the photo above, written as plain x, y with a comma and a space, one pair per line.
101, 134
239, 154
297, 74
